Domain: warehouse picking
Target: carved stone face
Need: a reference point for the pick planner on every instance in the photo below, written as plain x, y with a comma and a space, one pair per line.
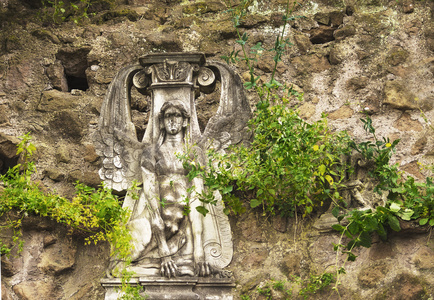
173, 120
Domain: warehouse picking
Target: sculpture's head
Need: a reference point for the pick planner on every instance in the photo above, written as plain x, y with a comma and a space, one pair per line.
173, 117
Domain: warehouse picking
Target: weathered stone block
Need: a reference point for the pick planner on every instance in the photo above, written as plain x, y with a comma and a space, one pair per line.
397, 96
181, 288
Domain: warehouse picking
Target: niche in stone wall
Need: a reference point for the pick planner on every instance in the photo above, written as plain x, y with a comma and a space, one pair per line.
74, 63
8, 152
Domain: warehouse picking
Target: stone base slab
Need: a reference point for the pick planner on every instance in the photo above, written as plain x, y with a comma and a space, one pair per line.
174, 289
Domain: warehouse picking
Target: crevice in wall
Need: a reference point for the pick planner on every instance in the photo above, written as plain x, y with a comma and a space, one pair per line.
78, 83
74, 61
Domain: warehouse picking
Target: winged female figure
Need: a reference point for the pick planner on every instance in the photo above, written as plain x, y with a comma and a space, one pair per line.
170, 237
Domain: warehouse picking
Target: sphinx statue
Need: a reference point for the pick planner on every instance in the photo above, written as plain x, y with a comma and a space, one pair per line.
170, 237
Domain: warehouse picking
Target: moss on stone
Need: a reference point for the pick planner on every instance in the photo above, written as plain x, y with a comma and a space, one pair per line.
397, 56
252, 21
114, 14
224, 28
373, 23
203, 7
100, 5
46, 35
186, 22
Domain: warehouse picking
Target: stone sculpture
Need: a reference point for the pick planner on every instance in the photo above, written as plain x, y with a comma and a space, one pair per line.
167, 241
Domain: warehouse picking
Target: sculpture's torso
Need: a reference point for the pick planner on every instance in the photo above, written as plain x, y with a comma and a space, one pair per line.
173, 185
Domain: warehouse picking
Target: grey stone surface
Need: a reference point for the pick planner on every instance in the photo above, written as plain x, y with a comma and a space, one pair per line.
175, 289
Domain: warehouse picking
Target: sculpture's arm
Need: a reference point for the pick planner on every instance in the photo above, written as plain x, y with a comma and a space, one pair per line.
202, 267
151, 192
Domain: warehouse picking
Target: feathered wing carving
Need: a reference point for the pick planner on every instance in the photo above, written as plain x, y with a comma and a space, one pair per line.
227, 127
116, 140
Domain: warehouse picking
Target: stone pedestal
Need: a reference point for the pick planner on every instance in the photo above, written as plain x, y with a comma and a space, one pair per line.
175, 288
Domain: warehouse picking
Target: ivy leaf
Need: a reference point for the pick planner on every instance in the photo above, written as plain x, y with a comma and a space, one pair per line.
354, 228
258, 47
336, 246
371, 223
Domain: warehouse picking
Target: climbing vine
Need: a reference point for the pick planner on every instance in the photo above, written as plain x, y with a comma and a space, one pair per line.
95, 213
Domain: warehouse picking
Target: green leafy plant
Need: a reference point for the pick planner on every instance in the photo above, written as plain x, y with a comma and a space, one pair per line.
94, 213
271, 289
406, 199
250, 57
315, 284
59, 11
291, 165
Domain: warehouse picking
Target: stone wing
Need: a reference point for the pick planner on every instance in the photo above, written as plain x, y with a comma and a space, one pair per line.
229, 125
116, 140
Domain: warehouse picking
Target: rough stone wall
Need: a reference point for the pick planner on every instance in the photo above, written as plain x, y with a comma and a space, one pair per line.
348, 56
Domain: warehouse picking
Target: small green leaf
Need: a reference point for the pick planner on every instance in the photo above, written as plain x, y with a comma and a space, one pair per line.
202, 210
329, 179
255, 203
322, 169
365, 239
406, 214
423, 221
227, 190
335, 211
338, 227
393, 223
336, 246
249, 85
431, 222
351, 256
258, 46
395, 207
